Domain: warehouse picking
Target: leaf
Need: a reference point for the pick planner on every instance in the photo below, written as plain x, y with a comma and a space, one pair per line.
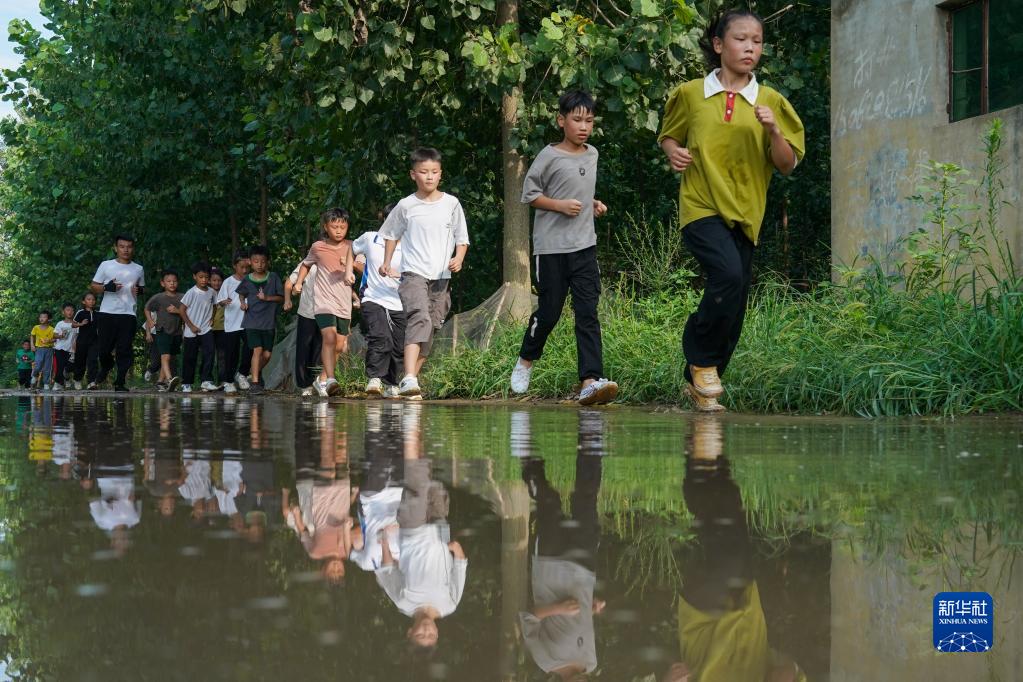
324, 34
646, 8
428, 22
56, 192
348, 103
326, 100
239, 6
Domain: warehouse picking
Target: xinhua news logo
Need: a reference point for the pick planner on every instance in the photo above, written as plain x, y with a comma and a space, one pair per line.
964, 622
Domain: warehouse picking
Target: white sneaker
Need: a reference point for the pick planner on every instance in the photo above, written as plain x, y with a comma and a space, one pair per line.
409, 387
307, 391
173, 384
78, 385
229, 388
333, 388
391, 391
599, 392
148, 376
375, 387
321, 387
241, 381
209, 386
520, 377
186, 388
56, 387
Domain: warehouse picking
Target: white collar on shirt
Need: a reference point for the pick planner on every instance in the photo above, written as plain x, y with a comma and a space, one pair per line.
712, 86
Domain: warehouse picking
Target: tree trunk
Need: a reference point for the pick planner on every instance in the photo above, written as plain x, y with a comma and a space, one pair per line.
516, 214
263, 237
232, 219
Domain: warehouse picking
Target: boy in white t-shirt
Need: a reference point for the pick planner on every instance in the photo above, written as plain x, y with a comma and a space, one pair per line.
383, 318
121, 281
64, 333
431, 226
196, 310
308, 340
237, 355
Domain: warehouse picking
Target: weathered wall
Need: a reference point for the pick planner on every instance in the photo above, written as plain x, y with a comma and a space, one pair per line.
889, 91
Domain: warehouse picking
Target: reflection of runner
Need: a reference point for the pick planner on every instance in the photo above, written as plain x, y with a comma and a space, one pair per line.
558, 632
722, 629
427, 580
381, 492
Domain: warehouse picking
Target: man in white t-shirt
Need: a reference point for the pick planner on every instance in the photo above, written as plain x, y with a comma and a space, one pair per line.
383, 318
121, 281
236, 353
196, 310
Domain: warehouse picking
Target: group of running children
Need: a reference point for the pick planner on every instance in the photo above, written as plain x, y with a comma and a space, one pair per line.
725, 133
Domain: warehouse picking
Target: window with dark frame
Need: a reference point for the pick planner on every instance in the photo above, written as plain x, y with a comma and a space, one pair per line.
985, 47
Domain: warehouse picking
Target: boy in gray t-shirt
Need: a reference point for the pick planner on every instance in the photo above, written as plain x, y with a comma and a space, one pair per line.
561, 185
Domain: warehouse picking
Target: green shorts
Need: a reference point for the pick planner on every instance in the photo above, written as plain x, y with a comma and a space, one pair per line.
167, 344
327, 321
260, 338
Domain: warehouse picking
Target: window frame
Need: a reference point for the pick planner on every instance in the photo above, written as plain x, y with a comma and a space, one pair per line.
951, 7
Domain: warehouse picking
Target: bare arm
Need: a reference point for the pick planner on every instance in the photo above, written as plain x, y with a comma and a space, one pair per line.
303, 272
389, 246
782, 155
570, 207
678, 156
455, 264
183, 312
350, 265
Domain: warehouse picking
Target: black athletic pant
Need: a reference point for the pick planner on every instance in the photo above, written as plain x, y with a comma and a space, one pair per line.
726, 254
116, 334
191, 347
63, 363
237, 356
219, 347
554, 275
153, 365
86, 358
308, 344
385, 342
24, 378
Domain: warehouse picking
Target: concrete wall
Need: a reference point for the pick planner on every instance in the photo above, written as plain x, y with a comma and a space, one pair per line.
889, 92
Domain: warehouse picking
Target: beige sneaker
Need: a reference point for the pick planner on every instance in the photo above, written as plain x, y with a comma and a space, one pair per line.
702, 403
706, 381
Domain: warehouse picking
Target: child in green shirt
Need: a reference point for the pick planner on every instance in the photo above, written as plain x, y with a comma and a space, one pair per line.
23, 356
726, 134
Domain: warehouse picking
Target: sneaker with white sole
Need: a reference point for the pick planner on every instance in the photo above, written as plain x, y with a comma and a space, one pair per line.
229, 388
706, 381
307, 392
78, 385
148, 376
333, 388
93, 386
391, 391
520, 377
173, 384
321, 387
600, 392
186, 388
241, 381
209, 387
375, 387
409, 387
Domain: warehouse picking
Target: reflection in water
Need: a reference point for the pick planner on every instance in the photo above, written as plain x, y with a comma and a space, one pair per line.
721, 623
210, 540
558, 631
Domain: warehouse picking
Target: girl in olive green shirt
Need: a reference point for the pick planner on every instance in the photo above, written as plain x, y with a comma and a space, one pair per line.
726, 134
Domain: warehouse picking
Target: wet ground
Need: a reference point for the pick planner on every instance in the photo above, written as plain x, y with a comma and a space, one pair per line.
208, 538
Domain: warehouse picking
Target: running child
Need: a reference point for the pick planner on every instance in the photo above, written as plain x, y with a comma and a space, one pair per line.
332, 256
237, 355
561, 185
42, 337
196, 310
64, 345
308, 341
164, 327
431, 226
216, 283
383, 318
726, 134
86, 345
260, 293
23, 357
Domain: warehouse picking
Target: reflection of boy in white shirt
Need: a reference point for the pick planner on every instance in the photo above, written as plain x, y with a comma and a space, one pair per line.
426, 582
116, 510
196, 487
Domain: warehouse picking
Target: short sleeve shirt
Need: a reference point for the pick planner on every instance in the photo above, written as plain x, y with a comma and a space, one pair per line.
332, 295
67, 343
166, 321
24, 359
42, 336
200, 310
429, 232
233, 313
261, 314
307, 299
379, 289
558, 174
128, 275
86, 333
